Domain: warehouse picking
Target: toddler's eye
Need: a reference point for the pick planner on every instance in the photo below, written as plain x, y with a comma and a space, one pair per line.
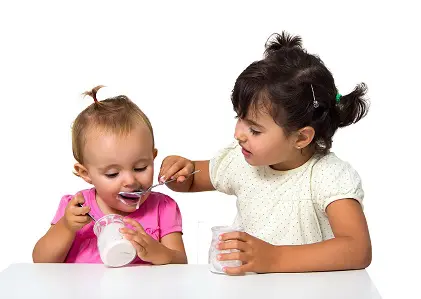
111, 175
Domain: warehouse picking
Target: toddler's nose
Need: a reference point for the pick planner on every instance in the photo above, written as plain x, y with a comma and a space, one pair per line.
130, 182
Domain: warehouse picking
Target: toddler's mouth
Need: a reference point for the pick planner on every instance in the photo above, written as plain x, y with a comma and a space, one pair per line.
129, 200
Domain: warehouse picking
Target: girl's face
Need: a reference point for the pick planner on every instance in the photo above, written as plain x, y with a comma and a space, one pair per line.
263, 142
116, 163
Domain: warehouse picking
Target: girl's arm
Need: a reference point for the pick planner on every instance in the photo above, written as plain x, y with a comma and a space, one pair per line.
350, 249
201, 180
179, 167
54, 246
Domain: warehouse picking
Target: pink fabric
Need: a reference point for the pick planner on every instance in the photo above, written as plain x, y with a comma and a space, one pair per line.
159, 215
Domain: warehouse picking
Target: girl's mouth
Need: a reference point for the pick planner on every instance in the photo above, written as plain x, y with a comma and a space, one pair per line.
245, 152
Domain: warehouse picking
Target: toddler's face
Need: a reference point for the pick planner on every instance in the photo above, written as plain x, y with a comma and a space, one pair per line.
119, 163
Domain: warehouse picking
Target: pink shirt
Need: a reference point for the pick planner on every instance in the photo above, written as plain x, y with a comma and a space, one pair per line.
159, 215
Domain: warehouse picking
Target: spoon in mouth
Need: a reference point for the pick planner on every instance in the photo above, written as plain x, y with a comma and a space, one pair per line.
137, 194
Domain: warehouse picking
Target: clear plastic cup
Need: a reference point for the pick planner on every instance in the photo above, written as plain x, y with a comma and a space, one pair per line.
216, 266
114, 249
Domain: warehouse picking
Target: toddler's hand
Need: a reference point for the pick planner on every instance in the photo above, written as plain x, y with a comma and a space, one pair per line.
175, 167
148, 249
76, 217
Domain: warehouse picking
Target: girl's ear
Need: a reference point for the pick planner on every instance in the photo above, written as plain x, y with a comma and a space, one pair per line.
305, 137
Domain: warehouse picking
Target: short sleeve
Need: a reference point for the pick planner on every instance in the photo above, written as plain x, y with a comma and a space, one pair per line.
220, 170
170, 220
61, 208
334, 179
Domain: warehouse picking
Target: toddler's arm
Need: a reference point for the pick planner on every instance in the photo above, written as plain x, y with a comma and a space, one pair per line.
174, 242
54, 246
169, 250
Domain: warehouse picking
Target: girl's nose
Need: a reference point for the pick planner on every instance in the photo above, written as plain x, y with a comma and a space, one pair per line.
240, 137
239, 133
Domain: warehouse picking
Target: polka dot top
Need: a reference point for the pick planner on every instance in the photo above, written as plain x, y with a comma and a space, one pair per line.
285, 207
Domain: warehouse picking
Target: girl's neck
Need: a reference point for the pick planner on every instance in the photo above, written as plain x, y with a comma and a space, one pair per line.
298, 158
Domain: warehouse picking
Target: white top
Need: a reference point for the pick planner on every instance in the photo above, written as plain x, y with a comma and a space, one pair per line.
285, 207
92, 281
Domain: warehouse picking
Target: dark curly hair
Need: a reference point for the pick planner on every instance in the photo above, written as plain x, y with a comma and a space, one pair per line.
284, 81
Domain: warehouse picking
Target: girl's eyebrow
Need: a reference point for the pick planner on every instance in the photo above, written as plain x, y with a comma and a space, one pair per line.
254, 123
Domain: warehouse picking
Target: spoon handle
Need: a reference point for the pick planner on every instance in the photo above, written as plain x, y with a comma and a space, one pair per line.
80, 205
186, 176
166, 182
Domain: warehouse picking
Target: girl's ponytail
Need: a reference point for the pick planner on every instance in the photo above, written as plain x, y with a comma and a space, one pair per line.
352, 107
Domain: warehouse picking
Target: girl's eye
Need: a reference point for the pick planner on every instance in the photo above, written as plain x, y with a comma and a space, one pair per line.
111, 175
140, 169
254, 132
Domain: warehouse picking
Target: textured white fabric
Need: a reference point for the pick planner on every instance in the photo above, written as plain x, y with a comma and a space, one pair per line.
285, 207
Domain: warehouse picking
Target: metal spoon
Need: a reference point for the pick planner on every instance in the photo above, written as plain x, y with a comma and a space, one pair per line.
138, 194
80, 205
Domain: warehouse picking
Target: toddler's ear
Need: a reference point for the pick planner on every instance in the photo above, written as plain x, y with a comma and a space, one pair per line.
82, 172
155, 153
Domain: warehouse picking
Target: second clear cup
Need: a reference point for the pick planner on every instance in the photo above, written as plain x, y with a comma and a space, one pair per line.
215, 265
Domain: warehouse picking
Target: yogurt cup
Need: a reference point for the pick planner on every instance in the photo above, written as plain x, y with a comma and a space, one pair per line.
215, 265
114, 249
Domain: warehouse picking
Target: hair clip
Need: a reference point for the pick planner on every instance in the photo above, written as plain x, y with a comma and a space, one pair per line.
315, 102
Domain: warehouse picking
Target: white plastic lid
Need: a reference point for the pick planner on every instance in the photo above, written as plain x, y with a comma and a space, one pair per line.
118, 253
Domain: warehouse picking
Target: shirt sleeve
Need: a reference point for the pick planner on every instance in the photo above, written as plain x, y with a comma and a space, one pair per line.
61, 208
170, 220
333, 179
221, 170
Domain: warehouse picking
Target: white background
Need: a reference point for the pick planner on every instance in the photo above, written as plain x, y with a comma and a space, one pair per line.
178, 61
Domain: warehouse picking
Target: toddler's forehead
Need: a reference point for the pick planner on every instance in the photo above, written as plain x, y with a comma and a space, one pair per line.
102, 139
140, 131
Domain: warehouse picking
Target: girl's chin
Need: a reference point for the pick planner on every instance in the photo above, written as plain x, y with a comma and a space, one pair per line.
252, 161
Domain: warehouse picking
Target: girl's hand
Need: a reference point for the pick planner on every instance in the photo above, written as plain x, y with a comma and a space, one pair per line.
256, 255
175, 167
76, 217
148, 249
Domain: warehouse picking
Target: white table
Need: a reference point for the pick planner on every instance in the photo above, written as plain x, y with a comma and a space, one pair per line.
52, 281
